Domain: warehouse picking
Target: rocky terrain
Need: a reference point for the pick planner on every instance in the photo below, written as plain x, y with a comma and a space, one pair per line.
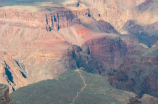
29, 49
21, 54
58, 18
118, 39
4, 95
119, 12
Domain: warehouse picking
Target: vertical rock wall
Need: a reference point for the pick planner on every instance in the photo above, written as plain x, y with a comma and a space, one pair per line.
50, 21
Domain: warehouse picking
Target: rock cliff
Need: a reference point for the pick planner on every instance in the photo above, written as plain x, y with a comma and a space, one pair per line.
33, 50
137, 74
30, 42
53, 20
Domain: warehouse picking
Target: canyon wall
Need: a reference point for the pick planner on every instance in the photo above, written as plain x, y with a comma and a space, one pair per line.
137, 74
119, 12
33, 50
50, 21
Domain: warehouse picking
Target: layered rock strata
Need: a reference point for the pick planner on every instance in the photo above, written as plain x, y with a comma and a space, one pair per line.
119, 12
54, 20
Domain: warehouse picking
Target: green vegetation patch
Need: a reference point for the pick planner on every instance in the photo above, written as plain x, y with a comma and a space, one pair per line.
64, 90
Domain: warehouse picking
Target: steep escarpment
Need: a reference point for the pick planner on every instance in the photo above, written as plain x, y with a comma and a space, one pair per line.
99, 55
64, 19
58, 18
26, 50
33, 50
50, 53
137, 74
107, 51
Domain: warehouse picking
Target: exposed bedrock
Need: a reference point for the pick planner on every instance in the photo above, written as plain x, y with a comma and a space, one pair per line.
98, 55
146, 35
29, 55
106, 27
137, 74
32, 50
119, 12
50, 21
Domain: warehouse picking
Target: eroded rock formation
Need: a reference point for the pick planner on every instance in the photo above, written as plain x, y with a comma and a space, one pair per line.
118, 13
50, 21
33, 50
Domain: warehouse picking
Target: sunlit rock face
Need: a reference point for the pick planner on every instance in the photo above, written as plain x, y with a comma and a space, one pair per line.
35, 54
31, 52
31, 55
42, 43
32, 47
49, 21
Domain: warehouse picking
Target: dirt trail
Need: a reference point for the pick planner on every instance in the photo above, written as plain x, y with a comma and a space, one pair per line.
81, 88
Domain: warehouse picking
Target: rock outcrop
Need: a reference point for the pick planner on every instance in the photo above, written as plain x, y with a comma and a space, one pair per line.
137, 74
109, 53
149, 99
54, 20
146, 35
106, 27
4, 95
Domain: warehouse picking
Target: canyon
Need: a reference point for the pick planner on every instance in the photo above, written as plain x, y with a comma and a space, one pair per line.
119, 12
115, 39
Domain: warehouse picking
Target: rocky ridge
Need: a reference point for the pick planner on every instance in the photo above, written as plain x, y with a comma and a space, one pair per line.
119, 12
